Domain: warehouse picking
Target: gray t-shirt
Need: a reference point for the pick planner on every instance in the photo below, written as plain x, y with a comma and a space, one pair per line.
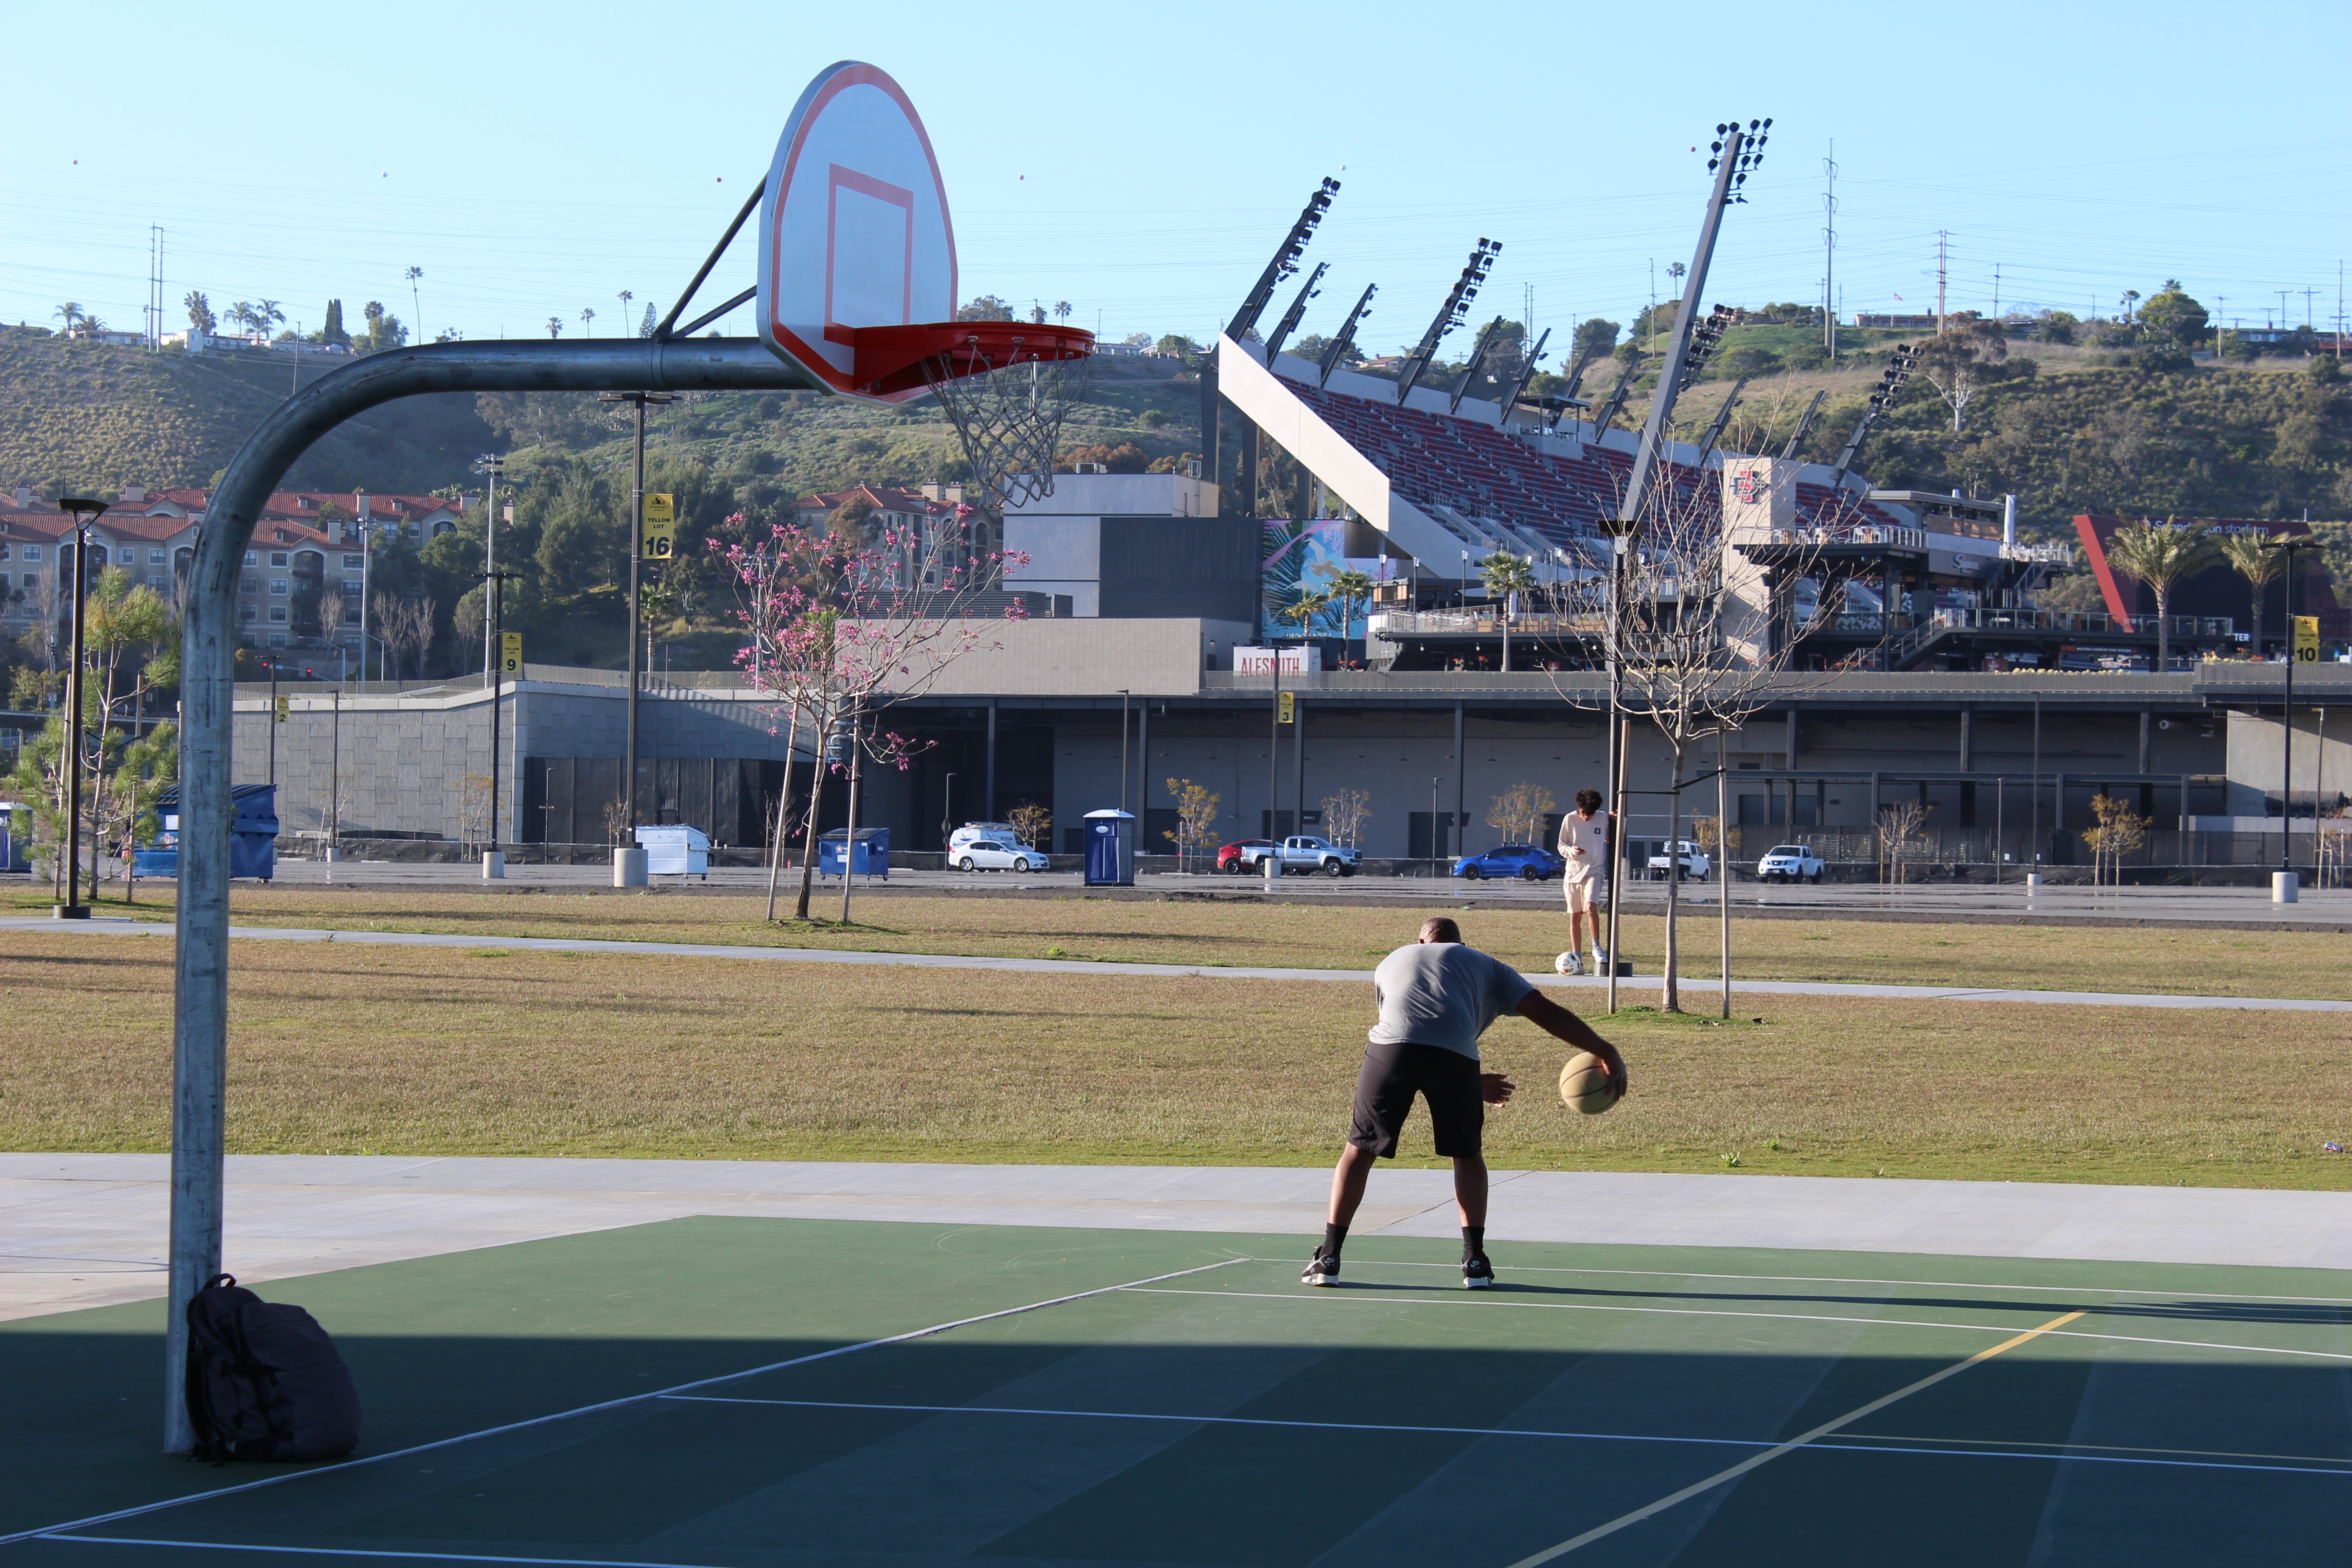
1443, 993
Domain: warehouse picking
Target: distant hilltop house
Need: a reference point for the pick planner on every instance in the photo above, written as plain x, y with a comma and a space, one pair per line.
307, 546
197, 343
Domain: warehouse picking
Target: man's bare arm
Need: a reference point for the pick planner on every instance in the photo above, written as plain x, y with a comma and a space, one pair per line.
1557, 1021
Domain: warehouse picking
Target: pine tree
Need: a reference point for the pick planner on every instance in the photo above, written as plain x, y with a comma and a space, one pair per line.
332, 333
651, 321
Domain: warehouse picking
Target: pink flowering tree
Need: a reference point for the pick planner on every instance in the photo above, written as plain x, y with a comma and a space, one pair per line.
843, 624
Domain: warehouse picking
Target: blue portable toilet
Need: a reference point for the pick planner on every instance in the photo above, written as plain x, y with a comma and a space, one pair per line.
16, 835
252, 835
871, 858
1110, 849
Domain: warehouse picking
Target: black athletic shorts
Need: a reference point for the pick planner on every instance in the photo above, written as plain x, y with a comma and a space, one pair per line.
1393, 1074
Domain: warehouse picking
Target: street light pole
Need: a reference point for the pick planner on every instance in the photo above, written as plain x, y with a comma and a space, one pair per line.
492, 464
494, 863
85, 513
2282, 888
629, 861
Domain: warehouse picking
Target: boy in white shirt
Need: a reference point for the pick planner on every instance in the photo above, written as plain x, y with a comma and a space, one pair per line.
1584, 845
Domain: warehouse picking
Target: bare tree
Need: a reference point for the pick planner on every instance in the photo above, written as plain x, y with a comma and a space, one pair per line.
1196, 819
1680, 616
1344, 816
1520, 812
846, 624
1959, 360
405, 625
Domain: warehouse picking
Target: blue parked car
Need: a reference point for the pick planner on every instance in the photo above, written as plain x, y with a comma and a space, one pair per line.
1528, 862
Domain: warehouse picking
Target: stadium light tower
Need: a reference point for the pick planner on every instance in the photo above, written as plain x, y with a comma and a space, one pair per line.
1297, 311
1738, 152
1341, 345
1899, 367
1450, 315
1244, 321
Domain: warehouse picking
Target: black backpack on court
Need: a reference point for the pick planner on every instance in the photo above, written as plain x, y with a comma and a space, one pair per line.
265, 1381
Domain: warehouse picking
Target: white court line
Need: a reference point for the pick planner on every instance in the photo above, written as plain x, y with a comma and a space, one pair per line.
2315, 1467
1838, 1280
1493, 1304
1755, 1460
47, 1530
364, 1551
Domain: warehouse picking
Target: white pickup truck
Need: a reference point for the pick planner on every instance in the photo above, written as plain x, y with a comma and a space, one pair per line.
1790, 863
1307, 854
1696, 864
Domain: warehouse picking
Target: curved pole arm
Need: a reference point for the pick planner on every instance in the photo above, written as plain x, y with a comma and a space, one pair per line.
208, 700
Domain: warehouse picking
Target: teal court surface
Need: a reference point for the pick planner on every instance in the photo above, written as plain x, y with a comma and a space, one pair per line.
711, 1393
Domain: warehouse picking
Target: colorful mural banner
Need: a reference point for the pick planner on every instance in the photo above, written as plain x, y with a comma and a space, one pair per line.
1300, 557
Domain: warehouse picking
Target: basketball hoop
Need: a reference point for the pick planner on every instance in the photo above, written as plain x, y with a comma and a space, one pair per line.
1007, 387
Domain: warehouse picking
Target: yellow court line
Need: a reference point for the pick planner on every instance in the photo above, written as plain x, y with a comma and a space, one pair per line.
1791, 1447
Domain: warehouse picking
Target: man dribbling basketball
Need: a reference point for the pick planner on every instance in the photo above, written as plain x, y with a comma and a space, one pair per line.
1435, 997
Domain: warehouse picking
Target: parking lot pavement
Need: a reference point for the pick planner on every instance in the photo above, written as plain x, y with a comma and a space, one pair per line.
2321, 909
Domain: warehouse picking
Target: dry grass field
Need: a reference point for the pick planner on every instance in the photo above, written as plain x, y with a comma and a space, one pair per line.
345, 1050
2208, 962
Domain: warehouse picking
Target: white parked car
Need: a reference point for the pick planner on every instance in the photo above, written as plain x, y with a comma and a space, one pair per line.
1790, 863
1696, 864
973, 832
998, 855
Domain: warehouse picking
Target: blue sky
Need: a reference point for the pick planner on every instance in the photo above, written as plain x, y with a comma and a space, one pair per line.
1142, 162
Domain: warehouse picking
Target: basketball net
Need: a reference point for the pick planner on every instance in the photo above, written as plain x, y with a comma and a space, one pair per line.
1007, 400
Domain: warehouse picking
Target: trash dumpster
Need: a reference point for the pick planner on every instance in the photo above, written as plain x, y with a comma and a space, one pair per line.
252, 835
871, 857
676, 851
1110, 849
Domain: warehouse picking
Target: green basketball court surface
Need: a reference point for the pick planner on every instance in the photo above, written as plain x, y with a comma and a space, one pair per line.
726, 1393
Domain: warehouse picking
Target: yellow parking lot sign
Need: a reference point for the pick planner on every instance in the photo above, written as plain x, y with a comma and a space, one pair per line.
509, 653
1284, 707
285, 706
661, 526
2307, 639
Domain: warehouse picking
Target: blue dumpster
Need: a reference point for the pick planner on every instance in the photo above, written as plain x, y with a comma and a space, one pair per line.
871, 857
252, 835
1110, 849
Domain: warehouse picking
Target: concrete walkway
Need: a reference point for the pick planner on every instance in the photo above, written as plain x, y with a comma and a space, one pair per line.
120, 927
84, 1230
2217, 908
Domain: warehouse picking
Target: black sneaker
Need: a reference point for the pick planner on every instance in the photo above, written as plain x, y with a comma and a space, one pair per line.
1477, 1273
1323, 1268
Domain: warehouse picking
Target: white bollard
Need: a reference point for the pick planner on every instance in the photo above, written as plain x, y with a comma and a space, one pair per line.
494, 866
2285, 887
2032, 880
334, 854
1271, 868
629, 867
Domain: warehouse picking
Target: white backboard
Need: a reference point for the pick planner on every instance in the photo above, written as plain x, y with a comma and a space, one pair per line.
853, 226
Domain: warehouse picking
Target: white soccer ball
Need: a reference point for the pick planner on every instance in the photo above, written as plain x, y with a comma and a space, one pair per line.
1564, 964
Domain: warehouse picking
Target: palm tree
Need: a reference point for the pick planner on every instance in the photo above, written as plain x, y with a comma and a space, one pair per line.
555, 326
1351, 588
415, 304
2160, 556
1309, 607
1506, 574
265, 315
588, 321
1062, 308
625, 297
70, 313
2260, 568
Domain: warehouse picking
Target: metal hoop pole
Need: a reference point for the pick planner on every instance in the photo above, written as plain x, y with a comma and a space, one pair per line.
208, 693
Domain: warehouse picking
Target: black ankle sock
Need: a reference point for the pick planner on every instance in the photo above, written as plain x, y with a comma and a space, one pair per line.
1334, 1237
1473, 1242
